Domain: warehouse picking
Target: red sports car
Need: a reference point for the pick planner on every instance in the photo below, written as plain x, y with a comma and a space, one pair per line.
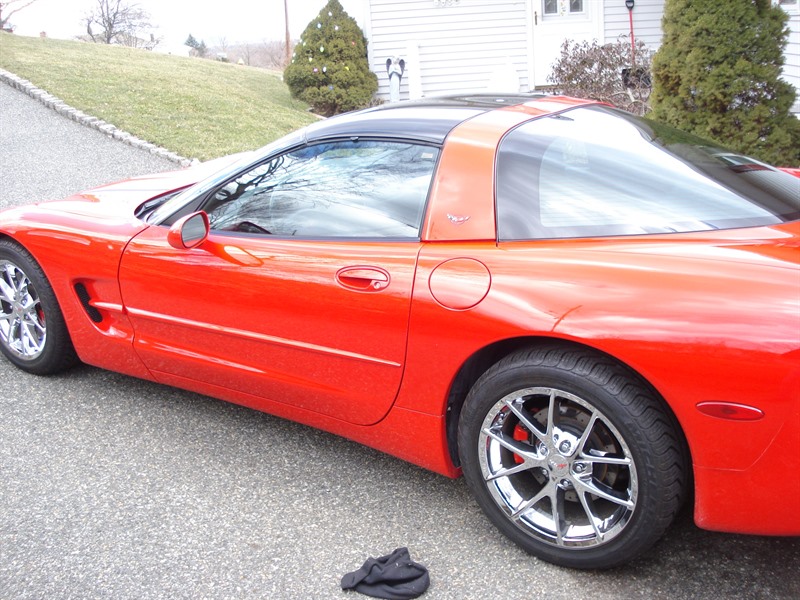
593, 316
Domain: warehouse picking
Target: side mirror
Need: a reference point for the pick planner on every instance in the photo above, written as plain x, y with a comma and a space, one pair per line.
189, 232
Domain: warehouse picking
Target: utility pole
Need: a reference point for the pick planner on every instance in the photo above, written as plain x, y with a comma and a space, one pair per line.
288, 57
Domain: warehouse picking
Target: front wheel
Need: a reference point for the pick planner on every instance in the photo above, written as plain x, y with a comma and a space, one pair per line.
33, 335
572, 457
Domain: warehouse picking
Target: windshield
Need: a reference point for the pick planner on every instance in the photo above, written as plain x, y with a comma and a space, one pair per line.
184, 202
598, 171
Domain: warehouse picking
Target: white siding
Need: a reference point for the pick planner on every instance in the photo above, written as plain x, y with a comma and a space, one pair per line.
462, 46
647, 16
791, 69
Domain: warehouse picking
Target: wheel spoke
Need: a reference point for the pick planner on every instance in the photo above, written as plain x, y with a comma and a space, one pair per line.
15, 276
33, 336
14, 332
30, 309
27, 342
551, 411
529, 423
515, 446
595, 522
7, 293
33, 322
605, 460
528, 504
525, 466
29, 304
598, 489
587, 432
557, 508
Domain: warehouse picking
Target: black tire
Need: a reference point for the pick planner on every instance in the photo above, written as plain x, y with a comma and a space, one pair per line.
604, 445
33, 335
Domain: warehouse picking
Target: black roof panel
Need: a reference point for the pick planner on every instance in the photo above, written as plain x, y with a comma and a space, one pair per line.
427, 120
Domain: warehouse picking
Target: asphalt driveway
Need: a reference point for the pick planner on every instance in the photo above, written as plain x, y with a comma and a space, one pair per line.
111, 487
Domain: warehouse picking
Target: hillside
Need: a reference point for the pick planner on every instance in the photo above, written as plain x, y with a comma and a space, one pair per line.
197, 108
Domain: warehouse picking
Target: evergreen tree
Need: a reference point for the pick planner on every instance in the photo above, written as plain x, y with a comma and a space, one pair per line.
717, 72
329, 68
199, 48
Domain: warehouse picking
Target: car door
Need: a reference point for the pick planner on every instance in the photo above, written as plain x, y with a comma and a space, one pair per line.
301, 293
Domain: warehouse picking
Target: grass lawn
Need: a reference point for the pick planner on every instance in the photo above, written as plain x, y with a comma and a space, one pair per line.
197, 108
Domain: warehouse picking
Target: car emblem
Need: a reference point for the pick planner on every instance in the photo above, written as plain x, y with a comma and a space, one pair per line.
458, 220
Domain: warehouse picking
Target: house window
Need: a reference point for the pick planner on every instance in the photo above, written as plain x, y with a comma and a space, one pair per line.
560, 7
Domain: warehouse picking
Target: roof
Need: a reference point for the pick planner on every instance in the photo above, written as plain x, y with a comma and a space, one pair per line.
426, 120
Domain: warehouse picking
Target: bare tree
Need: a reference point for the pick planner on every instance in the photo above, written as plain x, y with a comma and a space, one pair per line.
9, 8
272, 55
246, 52
268, 54
119, 22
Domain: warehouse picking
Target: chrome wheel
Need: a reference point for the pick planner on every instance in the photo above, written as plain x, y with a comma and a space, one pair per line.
33, 334
572, 455
557, 467
23, 328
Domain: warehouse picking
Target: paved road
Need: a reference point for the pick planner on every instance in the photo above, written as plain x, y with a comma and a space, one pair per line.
44, 155
111, 487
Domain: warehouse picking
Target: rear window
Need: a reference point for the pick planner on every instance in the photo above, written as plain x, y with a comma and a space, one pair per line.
597, 171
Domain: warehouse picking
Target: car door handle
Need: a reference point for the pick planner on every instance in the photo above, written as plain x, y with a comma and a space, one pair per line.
363, 279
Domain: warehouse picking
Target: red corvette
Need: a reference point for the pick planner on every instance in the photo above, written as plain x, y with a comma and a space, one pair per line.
592, 315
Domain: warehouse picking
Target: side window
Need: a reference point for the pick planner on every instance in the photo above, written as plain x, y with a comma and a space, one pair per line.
600, 172
340, 189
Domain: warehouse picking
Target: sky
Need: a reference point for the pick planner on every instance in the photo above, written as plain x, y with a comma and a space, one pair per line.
207, 20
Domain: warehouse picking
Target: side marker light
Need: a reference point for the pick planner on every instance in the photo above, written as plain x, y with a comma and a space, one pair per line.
730, 411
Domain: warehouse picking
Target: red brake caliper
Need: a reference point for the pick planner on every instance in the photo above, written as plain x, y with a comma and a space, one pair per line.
521, 435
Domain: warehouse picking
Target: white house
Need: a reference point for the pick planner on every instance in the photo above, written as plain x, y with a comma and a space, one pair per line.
454, 46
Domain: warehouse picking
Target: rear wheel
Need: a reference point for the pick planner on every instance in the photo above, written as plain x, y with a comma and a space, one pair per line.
33, 335
572, 457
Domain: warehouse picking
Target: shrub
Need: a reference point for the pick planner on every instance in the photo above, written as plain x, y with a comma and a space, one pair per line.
717, 75
329, 68
604, 72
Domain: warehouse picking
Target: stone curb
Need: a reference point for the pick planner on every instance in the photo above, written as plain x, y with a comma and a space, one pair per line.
61, 107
